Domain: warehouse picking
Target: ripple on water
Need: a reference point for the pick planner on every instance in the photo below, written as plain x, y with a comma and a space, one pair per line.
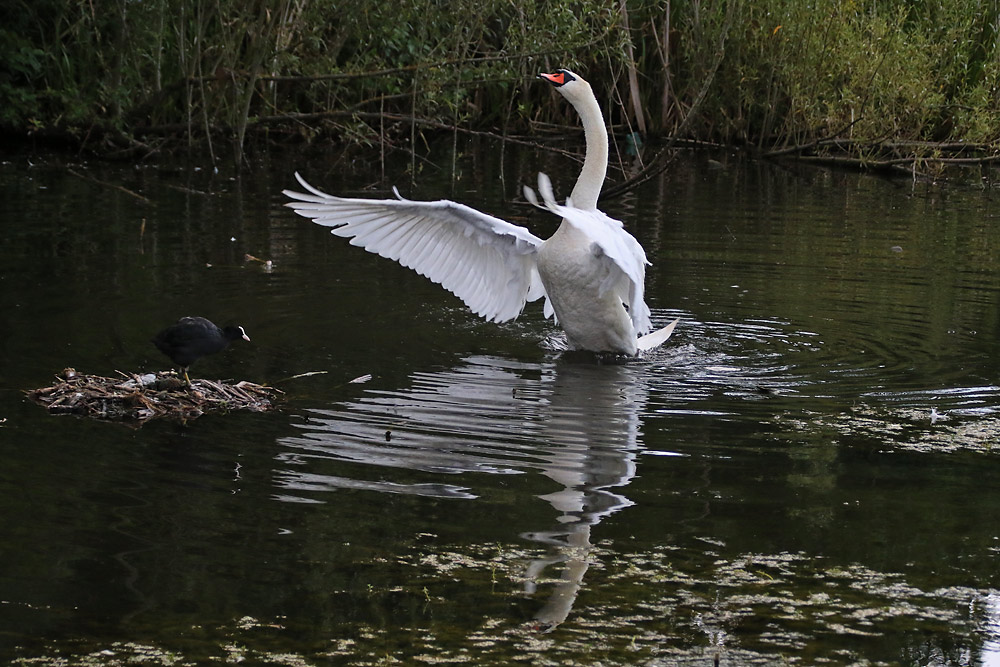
898, 391
498, 416
485, 415
743, 360
567, 418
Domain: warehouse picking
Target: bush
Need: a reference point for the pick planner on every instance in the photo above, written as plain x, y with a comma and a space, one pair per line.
760, 73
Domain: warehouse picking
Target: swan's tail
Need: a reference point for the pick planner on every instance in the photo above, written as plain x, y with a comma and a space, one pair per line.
657, 338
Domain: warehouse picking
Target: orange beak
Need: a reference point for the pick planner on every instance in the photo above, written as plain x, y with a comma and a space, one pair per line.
558, 79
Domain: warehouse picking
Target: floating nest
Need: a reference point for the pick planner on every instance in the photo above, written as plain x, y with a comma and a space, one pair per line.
132, 397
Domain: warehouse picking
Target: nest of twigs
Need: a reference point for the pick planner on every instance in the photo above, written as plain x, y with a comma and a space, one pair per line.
132, 397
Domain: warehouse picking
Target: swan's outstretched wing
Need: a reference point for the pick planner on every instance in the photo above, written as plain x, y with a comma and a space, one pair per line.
625, 257
486, 262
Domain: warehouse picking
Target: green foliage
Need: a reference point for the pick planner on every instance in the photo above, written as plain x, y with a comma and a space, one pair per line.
794, 70
765, 73
20, 65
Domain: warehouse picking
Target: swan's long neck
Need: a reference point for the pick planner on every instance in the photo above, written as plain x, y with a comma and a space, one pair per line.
595, 164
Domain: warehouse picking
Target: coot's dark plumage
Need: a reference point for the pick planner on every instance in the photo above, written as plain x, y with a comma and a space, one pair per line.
194, 337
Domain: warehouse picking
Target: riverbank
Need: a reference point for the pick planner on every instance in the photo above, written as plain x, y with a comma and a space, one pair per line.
865, 85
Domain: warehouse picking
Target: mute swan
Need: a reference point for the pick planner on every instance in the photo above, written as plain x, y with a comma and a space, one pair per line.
589, 271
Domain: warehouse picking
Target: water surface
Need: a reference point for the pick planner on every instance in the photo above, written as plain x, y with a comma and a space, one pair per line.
806, 473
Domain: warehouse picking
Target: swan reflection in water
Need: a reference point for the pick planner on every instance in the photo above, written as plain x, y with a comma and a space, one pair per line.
578, 424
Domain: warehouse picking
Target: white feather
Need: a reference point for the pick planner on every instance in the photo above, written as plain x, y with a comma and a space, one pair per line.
485, 261
625, 257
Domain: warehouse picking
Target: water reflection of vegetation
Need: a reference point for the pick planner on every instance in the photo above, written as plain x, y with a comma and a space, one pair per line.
911, 429
647, 606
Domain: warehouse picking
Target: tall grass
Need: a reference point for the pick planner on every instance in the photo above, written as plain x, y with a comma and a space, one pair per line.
121, 77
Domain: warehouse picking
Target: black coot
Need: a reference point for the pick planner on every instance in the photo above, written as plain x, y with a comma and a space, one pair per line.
194, 337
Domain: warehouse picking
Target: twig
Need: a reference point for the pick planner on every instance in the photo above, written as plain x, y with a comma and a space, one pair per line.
421, 122
633, 77
801, 148
188, 190
661, 160
897, 165
443, 63
109, 185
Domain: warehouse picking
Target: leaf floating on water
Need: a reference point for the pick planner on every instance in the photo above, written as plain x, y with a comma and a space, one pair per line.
266, 264
303, 375
358, 380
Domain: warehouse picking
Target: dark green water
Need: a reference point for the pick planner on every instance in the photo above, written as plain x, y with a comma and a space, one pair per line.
770, 487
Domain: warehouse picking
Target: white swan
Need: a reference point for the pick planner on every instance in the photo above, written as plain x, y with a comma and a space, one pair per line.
589, 271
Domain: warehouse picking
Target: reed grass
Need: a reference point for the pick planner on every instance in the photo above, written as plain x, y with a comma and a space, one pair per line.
779, 77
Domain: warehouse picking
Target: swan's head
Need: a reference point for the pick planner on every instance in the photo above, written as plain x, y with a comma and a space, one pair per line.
572, 86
